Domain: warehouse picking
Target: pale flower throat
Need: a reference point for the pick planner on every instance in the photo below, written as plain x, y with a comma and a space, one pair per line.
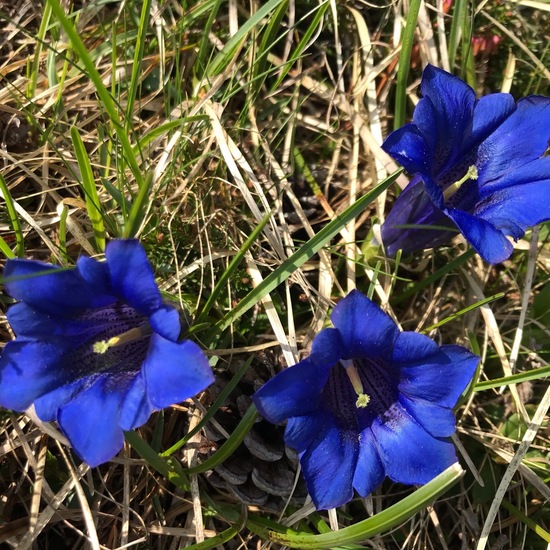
471, 174
136, 333
362, 398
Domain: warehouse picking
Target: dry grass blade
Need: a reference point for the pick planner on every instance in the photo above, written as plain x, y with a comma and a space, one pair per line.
535, 424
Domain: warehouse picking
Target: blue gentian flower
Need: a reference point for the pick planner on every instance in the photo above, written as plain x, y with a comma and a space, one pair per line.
480, 166
96, 348
369, 402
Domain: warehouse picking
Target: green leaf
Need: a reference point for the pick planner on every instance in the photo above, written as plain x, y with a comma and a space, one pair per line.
93, 206
14, 220
407, 39
223, 59
230, 446
305, 252
375, 525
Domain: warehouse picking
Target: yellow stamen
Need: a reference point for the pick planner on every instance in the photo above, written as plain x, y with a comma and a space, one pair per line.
362, 398
471, 174
135, 333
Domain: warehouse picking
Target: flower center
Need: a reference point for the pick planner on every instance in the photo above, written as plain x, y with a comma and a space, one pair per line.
135, 333
359, 390
471, 174
362, 398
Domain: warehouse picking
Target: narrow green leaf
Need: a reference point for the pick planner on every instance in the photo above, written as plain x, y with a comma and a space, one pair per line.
407, 40
379, 523
542, 533
63, 233
230, 446
40, 41
305, 252
535, 374
220, 285
213, 408
224, 536
224, 57
5, 249
271, 35
427, 281
303, 43
167, 467
135, 78
93, 206
14, 219
464, 311
460, 10
107, 100
139, 208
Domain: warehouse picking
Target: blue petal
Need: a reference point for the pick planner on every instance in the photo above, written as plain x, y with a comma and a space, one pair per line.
136, 408
132, 277
369, 472
485, 238
301, 431
535, 171
436, 420
328, 466
175, 371
166, 322
51, 289
365, 329
410, 454
522, 138
408, 147
413, 207
453, 105
296, 391
47, 406
91, 423
31, 323
412, 347
96, 274
27, 322
489, 113
327, 347
27, 371
441, 377
515, 209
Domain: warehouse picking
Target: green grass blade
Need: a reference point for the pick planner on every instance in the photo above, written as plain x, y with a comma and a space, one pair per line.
305, 252
138, 57
230, 446
407, 39
220, 285
14, 220
106, 99
138, 209
460, 10
93, 206
167, 467
213, 408
383, 521
427, 281
205, 47
40, 40
224, 536
302, 44
5, 249
534, 374
464, 311
224, 57
542, 533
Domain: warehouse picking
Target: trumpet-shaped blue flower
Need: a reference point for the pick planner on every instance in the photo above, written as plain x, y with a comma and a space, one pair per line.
96, 348
480, 166
369, 402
